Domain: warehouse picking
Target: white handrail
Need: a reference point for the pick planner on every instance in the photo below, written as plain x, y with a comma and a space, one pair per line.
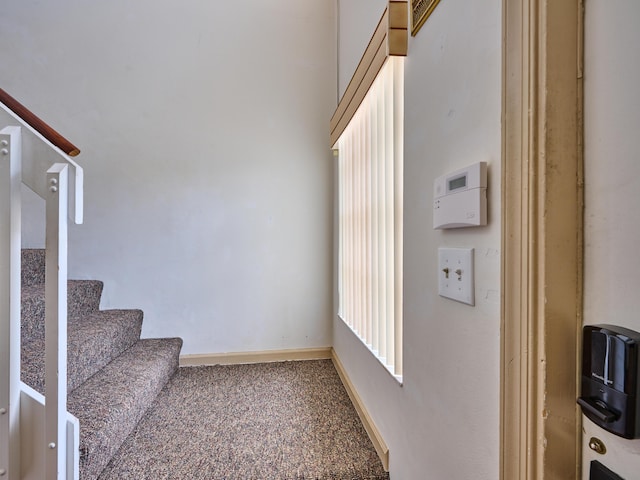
56, 178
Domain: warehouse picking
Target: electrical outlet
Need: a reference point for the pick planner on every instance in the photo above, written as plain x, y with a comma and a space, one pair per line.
455, 274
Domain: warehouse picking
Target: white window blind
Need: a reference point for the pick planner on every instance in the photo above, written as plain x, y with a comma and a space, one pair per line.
370, 157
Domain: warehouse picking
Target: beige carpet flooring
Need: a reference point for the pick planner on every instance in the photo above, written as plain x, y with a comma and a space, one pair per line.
274, 421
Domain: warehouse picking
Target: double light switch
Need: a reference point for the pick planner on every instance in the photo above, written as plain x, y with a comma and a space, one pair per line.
455, 274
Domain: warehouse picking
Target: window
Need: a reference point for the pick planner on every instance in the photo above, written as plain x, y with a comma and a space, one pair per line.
370, 158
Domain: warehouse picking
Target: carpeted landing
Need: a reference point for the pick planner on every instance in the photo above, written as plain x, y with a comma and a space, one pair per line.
274, 421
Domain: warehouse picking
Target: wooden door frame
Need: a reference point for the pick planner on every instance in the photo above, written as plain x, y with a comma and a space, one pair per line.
542, 231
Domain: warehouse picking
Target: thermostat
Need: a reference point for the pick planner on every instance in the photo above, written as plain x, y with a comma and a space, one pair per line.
460, 198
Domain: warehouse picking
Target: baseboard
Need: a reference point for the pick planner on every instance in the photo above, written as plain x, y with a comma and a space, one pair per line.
372, 431
256, 357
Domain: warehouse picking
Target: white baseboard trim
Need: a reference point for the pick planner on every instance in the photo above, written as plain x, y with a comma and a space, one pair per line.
370, 427
266, 356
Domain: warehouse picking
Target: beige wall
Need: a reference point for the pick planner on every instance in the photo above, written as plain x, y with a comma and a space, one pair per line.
612, 189
204, 131
443, 422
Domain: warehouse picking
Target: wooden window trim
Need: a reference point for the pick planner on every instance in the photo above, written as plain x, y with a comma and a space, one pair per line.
390, 38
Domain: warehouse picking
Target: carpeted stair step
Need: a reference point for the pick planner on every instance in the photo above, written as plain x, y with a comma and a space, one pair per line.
83, 297
110, 403
32, 268
113, 376
94, 339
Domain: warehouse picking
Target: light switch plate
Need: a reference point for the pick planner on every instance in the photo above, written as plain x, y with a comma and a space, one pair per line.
455, 274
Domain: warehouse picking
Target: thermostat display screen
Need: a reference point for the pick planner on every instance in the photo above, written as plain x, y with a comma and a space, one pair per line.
458, 183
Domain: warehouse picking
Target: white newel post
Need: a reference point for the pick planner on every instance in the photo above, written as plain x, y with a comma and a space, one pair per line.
10, 245
56, 323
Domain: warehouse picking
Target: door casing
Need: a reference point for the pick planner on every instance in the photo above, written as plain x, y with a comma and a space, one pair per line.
542, 238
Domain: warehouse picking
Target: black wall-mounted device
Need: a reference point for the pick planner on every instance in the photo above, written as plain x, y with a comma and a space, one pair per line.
610, 393
600, 472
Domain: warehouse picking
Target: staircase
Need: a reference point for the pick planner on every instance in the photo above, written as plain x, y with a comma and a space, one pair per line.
113, 374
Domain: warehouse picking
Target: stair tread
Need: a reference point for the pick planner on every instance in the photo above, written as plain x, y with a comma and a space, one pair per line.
83, 296
37, 289
94, 339
110, 403
113, 375
33, 267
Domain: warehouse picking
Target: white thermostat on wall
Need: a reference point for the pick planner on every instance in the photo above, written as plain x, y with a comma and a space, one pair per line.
460, 198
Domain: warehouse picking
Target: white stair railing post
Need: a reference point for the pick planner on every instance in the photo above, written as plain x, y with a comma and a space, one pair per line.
56, 323
10, 244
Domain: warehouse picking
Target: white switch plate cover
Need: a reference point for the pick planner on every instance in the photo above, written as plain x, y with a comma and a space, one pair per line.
455, 274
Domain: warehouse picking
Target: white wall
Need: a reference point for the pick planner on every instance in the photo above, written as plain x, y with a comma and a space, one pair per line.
357, 20
443, 422
612, 190
204, 136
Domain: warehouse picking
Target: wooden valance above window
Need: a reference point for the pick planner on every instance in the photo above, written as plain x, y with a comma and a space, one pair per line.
390, 38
